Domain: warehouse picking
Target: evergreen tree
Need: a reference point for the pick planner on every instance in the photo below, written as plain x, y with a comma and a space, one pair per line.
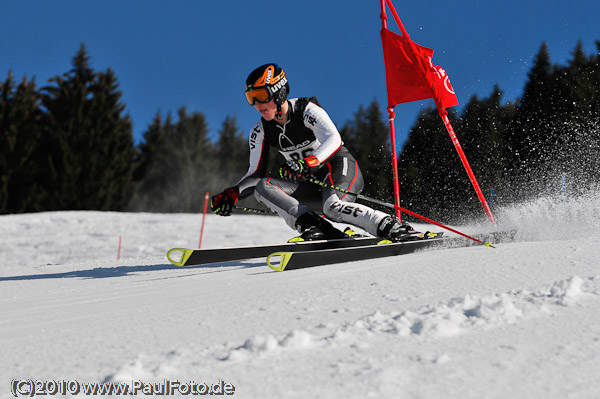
176, 165
582, 86
231, 152
151, 154
482, 126
577, 131
430, 172
557, 101
90, 141
196, 168
537, 110
149, 151
368, 139
21, 157
433, 179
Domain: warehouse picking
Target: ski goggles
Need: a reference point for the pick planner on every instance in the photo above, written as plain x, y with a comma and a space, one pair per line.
259, 94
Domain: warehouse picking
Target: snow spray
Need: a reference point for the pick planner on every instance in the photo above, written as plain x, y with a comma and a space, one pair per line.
563, 191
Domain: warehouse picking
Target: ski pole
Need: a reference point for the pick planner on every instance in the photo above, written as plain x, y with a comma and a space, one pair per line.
254, 210
388, 205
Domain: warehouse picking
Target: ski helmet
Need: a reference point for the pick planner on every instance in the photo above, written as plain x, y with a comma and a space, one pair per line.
267, 82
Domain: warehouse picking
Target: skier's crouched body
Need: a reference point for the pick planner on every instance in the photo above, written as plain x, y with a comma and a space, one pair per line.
305, 136
300, 203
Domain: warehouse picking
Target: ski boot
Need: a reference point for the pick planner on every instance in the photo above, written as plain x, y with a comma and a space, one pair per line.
313, 227
392, 229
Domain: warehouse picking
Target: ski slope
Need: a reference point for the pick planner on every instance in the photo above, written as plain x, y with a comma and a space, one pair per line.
518, 321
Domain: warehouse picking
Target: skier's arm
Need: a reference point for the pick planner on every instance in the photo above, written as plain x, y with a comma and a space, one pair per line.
223, 203
317, 120
259, 158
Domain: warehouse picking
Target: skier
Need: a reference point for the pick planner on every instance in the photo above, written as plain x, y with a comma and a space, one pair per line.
310, 143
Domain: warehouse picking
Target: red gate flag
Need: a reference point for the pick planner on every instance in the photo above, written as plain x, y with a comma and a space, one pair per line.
411, 75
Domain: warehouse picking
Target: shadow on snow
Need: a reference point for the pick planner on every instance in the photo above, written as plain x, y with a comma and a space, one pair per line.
124, 271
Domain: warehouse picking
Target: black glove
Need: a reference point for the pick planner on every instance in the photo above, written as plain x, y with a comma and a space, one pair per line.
222, 204
297, 170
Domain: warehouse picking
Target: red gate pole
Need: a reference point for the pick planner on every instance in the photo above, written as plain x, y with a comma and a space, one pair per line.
206, 196
441, 111
392, 116
463, 158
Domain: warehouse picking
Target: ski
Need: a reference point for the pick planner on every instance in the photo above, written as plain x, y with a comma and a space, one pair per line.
290, 260
195, 257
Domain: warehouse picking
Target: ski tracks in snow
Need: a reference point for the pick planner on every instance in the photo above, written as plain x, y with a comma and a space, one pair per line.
346, 346
456, 316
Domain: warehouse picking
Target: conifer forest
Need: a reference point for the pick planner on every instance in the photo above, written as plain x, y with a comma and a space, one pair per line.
69, 145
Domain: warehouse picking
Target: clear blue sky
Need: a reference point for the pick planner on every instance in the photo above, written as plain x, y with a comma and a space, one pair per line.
195, 53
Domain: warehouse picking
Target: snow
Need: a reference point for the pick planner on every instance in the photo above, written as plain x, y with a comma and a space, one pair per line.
518, 321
